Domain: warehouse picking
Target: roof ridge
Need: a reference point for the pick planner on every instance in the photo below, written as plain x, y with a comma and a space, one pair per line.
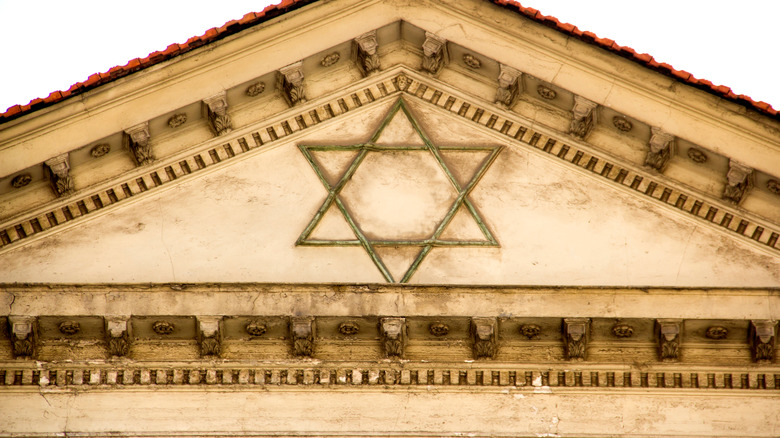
253, 18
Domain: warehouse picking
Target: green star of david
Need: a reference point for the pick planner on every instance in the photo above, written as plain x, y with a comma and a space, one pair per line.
426, 244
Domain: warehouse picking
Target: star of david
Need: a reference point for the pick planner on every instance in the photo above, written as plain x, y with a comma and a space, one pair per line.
434, 238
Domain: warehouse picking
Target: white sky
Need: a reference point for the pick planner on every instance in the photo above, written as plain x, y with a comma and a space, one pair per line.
50, 45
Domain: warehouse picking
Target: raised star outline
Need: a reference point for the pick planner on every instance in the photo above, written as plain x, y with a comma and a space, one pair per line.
427, 244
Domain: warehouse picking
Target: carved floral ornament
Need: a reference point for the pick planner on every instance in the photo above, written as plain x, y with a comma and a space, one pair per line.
716, 332
622, 124
697, 156
330, 59
773, 186
177, 120
256, 328
530, 331
163, 327
471, 61
349, 328
100, 150
255, 89
20, 181
622, 330
69, 327
439, 329
546, 92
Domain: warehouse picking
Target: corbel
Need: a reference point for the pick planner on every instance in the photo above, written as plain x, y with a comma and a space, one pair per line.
484, 334
509, 85
661, 149
366, 56
290, 82
393, 334
739, 179
669, 334
215, 109
302, 333
58, 169
118, 335
583, 117
22, 335
762, 340
434, 53
137, 142
576, 333
209, 337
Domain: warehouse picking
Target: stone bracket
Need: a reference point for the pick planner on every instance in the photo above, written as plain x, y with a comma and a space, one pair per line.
290, 82
509, 85
668, 333
365, 53
583, 117
576, 333
23, 335
739, 179
118, 335
762, 337
393, 333
302, 329
484, 332
209, 335
434, 53
215, 109
58, 169
661, 146
137, 142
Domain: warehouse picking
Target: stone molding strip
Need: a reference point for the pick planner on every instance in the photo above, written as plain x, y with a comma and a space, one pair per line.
390, 376
736, 223
57, 214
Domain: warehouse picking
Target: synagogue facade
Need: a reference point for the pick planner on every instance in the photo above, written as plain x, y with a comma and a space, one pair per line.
390, 218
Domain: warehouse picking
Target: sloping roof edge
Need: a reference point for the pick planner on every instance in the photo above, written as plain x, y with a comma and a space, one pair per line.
273, 11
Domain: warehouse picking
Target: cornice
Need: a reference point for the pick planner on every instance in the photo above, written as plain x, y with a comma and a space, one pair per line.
504, 125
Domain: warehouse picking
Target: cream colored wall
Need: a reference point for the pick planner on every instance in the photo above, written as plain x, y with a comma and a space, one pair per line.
276, 411
240, 222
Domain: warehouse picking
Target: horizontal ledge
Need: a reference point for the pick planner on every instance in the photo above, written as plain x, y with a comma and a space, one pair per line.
382, 299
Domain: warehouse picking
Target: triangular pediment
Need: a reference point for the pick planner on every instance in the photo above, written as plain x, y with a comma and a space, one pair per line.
402, 188
458, 160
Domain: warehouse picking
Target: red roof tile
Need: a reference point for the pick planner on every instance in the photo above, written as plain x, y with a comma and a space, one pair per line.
272, 11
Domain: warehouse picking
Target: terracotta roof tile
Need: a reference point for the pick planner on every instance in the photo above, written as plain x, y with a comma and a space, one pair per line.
272, 11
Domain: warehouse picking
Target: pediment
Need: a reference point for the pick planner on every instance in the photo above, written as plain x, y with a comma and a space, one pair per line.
399, 178
545, 162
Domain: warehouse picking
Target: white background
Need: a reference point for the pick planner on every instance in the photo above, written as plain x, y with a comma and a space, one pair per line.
50, 45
